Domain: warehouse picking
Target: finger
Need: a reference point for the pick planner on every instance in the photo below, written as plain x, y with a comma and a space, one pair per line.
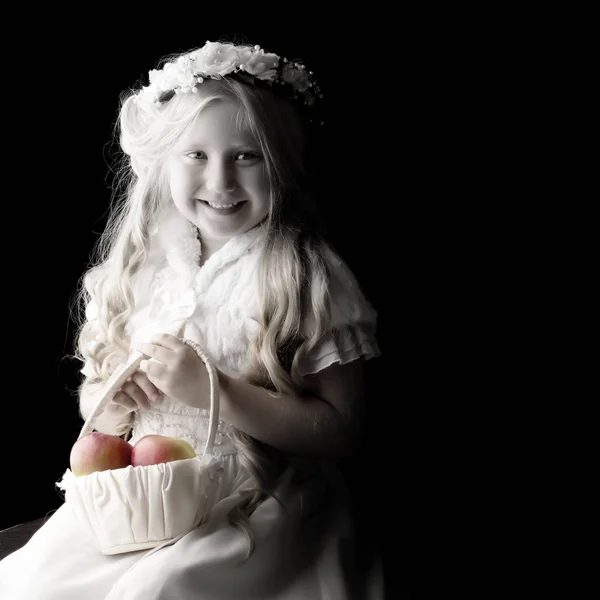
154, 370
160, 353
152, 392
167, 340
124, 401
136, 393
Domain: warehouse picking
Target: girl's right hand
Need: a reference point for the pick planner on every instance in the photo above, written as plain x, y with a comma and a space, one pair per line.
138, 391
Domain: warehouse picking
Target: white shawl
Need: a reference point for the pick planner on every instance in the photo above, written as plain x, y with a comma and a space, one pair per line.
217, 304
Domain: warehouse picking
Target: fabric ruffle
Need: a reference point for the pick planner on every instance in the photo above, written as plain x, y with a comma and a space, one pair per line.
344, 345
134, 508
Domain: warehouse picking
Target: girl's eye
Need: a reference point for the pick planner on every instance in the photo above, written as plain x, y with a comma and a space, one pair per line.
243, 156
247, 155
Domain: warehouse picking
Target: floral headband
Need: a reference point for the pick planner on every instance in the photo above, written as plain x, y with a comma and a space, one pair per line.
216, 60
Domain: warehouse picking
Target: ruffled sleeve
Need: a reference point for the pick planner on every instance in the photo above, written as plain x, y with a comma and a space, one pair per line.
354, 322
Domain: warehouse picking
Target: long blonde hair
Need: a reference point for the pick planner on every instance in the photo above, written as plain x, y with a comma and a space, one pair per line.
292, 273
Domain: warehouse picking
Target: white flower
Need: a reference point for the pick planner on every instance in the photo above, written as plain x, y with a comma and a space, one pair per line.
173, 76
215, 60
259, 63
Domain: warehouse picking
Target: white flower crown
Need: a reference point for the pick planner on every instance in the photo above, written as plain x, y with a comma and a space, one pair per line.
216, 60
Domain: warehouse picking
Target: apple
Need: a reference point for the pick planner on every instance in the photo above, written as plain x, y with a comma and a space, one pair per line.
153, 449
99, 452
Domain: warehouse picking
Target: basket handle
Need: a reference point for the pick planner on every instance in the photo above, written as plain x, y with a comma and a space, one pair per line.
124, 371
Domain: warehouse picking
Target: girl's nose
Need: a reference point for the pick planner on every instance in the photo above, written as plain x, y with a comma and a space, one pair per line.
220, 177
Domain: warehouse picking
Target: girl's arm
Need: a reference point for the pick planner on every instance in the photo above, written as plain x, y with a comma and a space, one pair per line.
325, 423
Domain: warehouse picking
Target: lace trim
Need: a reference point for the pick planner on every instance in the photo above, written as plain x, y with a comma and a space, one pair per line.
186, 423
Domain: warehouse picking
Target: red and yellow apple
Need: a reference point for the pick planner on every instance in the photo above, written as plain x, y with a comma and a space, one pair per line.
154, 449
99, 452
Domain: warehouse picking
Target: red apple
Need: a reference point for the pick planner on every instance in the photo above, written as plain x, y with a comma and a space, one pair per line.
99, 452
154, 449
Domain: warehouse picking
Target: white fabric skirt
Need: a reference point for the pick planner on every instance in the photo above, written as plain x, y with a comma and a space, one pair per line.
304, 550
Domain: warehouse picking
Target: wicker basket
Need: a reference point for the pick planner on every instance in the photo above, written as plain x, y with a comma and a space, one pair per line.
134, 508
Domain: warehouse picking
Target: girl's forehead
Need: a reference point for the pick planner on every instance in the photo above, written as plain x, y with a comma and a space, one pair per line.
220, 122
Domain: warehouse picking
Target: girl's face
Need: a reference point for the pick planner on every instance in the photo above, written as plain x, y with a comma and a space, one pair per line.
218, 177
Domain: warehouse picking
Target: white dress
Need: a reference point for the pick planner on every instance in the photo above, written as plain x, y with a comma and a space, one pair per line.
301, 540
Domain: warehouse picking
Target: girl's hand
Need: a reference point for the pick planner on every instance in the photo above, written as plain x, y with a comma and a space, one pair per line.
176, 369
138, 391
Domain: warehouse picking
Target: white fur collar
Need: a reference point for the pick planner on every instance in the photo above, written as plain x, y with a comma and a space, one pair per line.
174, 275
176, 239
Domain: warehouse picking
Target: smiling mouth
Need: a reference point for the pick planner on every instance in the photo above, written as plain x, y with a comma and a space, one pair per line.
223, 206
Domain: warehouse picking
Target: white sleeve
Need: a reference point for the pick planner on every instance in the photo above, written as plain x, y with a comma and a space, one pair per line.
354, 322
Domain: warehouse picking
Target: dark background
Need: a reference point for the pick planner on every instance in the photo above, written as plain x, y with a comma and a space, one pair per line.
390, 181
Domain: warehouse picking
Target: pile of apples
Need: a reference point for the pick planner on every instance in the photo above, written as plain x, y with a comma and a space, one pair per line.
100, 452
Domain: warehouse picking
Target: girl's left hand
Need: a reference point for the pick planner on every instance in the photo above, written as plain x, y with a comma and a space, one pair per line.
179, 373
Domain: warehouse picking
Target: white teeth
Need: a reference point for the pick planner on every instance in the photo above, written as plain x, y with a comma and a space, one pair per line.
222, 205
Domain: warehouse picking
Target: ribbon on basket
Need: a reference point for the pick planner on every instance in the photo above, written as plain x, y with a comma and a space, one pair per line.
140, 507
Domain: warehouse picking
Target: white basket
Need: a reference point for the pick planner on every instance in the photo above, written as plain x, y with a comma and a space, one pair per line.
134, 508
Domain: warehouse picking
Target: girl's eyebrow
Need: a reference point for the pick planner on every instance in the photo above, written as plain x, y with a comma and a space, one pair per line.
244, 145
235, 146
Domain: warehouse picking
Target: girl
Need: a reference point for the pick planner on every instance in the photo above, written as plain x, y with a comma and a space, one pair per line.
213, 239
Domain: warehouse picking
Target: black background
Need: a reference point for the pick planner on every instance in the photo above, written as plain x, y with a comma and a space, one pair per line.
393, 209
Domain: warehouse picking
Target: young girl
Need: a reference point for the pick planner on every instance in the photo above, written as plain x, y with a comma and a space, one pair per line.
214, 239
